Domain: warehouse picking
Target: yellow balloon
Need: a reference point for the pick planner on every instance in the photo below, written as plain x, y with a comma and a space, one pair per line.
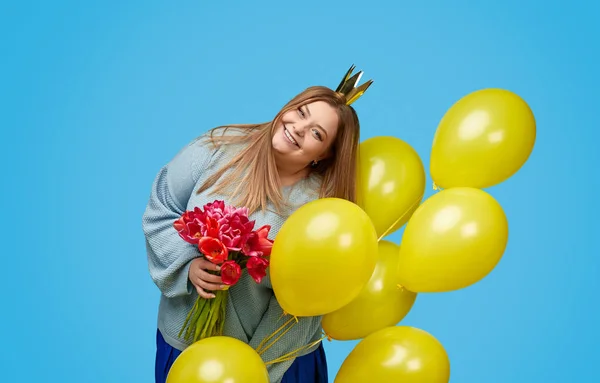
454, 239
322, 257
218, 359
396, 354
380, 303
482, 140
391, 182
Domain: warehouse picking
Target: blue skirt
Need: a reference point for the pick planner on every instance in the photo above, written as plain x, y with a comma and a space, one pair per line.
309, 368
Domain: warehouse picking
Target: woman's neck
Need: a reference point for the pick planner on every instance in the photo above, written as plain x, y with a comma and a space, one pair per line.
288, 177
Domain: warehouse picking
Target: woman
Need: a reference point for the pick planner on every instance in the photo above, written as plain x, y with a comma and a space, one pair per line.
308, 151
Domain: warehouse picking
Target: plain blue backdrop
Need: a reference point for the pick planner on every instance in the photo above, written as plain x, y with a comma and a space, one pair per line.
97, 96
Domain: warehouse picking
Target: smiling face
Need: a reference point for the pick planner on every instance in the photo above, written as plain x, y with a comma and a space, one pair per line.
305, 134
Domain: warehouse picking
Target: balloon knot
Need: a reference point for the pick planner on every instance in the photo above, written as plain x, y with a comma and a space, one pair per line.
400, 287
436, 187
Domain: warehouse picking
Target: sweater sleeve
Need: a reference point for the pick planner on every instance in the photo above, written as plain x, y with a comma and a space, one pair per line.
301, 334
169, 256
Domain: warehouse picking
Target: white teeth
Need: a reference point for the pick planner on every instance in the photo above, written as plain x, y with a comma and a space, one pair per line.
289, 136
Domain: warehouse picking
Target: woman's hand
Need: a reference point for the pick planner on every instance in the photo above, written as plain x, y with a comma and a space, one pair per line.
202, 280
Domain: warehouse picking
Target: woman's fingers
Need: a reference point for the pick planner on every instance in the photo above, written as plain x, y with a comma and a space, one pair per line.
208, 277
203, 293
207, 265
207, 285
204, 281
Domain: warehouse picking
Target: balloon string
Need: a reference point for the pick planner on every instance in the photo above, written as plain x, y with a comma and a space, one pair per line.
401, 217
261, 348
293, 354
264, 341
276, 339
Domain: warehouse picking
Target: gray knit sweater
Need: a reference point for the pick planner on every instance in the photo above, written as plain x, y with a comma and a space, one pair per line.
253, 313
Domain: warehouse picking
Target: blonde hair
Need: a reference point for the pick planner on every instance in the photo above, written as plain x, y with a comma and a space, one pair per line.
254, 170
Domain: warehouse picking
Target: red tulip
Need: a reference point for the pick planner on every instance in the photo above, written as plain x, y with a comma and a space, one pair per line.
230, 272
257, 268
213, 249
211, 227
227, 223
216, 207
258, 244
188, 227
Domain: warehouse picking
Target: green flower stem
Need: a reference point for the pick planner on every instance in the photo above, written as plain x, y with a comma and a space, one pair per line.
187, 319
192, 319
212, 322
222, 313
201, 322
206, 322
197, 318
207, 316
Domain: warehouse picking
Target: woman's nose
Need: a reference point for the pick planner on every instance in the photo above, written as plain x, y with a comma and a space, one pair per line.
299, 129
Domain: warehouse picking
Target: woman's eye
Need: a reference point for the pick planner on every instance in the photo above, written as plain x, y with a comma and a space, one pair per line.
317, 134
301, 112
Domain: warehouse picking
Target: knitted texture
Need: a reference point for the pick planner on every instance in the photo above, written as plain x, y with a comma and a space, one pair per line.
253, 312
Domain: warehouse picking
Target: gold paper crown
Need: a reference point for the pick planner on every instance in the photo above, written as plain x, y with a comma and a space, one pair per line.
348, 86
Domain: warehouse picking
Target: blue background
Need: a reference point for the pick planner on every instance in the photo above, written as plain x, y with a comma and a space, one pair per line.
97, 96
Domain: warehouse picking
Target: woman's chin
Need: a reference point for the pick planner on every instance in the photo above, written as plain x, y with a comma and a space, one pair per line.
284, 147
